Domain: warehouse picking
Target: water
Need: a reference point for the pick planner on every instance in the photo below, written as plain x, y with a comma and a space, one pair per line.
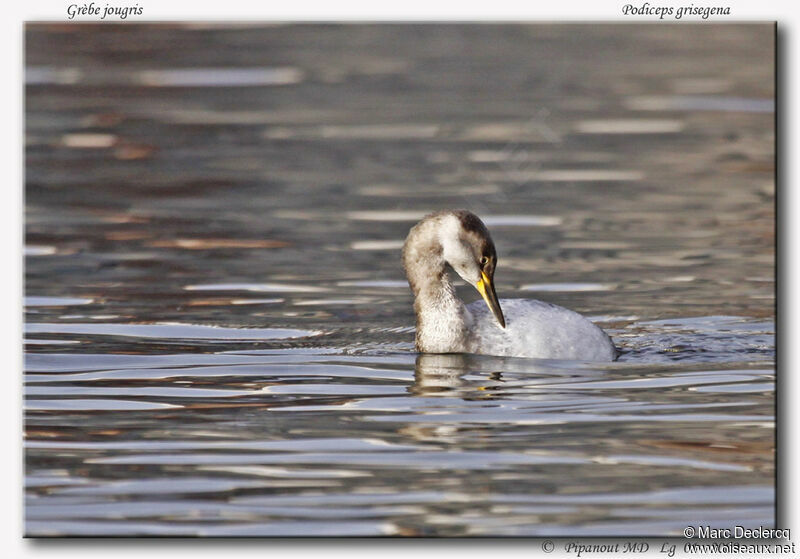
219, 336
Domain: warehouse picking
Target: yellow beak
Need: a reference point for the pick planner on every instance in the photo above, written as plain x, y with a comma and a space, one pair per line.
485, 287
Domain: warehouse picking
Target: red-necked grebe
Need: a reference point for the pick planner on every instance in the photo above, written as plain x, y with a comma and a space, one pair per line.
510, 327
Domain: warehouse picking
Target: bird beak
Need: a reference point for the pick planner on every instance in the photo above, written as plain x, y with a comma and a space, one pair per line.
485, 287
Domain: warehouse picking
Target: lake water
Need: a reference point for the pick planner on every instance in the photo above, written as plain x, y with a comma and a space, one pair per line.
218, 331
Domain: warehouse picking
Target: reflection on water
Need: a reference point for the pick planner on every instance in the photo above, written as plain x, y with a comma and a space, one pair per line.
219, 335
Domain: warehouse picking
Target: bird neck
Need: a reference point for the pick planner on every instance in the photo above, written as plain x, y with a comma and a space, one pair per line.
441, 316
441, 319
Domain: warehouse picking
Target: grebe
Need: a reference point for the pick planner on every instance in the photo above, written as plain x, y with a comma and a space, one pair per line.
511, 327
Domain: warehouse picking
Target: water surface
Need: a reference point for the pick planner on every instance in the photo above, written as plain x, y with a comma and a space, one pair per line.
219, 335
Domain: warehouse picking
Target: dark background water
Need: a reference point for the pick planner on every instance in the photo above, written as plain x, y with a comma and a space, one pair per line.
219, 336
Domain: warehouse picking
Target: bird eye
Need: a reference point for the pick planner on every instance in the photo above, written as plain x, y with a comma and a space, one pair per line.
484, 260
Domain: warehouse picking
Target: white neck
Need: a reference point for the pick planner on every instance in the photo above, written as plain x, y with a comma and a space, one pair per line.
441, 316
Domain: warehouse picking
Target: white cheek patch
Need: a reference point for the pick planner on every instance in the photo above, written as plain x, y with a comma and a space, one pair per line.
456, 252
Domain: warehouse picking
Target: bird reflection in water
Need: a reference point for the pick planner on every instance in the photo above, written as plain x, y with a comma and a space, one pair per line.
444, 374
